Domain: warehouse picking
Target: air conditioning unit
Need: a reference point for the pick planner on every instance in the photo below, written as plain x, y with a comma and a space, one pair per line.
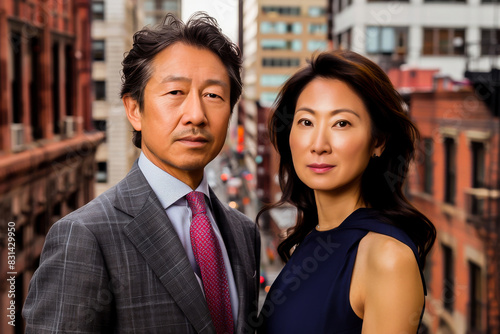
17, 136
69, 127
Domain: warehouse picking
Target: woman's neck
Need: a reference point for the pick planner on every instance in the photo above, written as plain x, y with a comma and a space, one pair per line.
335, 206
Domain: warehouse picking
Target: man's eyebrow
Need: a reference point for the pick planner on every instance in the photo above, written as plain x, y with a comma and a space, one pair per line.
175, 78
332, 113
216, 82
208, 82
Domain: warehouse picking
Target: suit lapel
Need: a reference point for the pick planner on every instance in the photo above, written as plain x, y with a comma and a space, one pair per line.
154, 237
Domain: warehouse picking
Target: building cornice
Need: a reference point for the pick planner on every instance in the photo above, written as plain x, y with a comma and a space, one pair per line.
28, 161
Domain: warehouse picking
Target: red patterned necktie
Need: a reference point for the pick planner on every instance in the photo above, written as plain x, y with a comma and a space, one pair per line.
208, 255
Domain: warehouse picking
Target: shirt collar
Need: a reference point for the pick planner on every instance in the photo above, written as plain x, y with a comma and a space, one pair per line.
167, 188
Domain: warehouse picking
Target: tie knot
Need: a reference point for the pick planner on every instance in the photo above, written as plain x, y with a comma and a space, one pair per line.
196, 201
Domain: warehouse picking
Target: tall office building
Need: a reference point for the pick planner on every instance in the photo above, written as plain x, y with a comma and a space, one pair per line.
113, 24
278, 37
446, 35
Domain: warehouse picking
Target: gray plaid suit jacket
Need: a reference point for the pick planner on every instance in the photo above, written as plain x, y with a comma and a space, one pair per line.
116, 265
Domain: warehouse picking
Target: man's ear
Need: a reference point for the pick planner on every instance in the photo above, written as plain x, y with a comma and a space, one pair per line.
133, 111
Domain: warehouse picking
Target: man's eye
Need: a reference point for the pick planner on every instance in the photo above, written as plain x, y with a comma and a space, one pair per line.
212, 95
175, 92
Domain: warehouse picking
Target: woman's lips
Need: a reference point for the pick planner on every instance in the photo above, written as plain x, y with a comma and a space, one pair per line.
320, 168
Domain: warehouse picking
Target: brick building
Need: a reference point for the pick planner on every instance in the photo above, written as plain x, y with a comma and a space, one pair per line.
454, 182
47, 146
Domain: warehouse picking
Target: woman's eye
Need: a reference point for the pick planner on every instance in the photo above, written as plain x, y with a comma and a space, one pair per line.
342, 124
305, 122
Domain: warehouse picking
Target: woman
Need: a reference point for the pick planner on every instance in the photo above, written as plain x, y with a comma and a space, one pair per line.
356, 254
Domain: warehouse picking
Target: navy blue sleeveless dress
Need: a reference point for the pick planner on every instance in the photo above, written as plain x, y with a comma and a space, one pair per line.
311, 294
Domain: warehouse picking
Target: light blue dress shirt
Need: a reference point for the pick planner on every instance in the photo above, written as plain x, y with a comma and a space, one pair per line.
172, 195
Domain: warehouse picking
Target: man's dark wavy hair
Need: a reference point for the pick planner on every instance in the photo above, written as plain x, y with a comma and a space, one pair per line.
201, 30
383, 180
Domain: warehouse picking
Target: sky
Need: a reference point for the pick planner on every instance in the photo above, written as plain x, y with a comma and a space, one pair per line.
224, 11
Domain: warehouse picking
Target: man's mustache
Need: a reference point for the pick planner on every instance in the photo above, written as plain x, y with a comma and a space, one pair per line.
198, 132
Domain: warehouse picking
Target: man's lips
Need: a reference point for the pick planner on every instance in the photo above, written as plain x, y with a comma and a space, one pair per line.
320, 168
193, 140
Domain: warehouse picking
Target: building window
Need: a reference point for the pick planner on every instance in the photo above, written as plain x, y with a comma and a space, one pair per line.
149, 20
386, 40
100, 90
170, 6
490, 42
449, 278
285, 11
478, 166
164, 5
56, 89
316, 45
41, 223
98, 49
280, 44
272, 80
149, 5
280, 28
478, 181
102, 172
428, 273
475, 304
69, 75
428, 165
35, 85
280, 62
100, 125
97, 10
340, 5
17, 78
318, 28
450, 170
72, 202
268, 98
447, 41
344, 40
20, 237
316, 11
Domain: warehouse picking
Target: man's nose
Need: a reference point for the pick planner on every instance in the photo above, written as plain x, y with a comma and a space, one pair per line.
193, 110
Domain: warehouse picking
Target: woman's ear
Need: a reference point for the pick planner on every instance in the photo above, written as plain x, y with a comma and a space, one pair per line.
133, 111
379, 147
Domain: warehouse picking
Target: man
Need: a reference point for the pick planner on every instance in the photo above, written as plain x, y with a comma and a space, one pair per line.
151, 255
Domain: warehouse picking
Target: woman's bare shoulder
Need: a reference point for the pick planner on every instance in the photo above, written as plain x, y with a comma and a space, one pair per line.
385, 253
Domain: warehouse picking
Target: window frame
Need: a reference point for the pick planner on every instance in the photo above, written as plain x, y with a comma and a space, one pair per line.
440, 41
99, 54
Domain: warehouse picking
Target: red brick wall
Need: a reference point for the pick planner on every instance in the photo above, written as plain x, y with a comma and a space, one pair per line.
439, 114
